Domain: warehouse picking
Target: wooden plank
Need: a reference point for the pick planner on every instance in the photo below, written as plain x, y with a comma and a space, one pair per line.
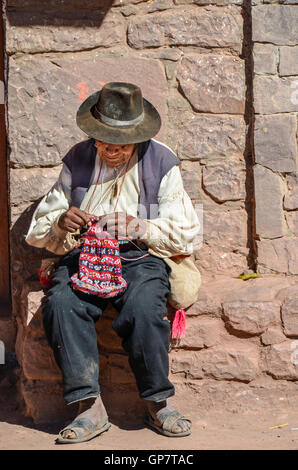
4, 225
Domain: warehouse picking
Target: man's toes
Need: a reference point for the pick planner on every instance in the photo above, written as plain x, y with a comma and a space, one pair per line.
69, 434
181, 426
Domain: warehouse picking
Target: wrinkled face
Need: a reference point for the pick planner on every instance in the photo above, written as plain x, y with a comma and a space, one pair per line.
113, 154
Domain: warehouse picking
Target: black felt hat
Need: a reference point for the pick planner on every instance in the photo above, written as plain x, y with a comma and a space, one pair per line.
118, 114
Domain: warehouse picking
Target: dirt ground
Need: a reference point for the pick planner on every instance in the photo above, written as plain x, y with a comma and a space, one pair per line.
214, 430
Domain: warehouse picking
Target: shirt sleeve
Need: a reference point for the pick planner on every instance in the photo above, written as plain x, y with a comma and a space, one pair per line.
174, 231
44, 231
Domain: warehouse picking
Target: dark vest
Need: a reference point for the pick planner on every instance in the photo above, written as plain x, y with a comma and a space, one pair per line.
154, 162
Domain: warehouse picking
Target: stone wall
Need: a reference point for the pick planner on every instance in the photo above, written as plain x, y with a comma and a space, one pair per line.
222, 80
275, 136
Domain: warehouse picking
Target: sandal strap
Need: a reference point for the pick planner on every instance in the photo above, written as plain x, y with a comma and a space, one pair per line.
78, 426
171, 419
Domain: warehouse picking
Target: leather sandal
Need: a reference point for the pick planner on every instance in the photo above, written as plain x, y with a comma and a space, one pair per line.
79, 426
164, 425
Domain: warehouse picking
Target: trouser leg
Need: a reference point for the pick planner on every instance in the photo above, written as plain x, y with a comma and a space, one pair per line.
142, 325
68, 319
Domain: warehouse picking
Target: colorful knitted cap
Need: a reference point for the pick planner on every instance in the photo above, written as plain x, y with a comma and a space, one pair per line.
100, 271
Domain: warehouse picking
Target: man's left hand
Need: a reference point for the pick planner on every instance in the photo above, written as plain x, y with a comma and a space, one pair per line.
120, 224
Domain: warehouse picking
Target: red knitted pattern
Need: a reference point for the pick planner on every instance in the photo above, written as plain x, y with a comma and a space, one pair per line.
100, 270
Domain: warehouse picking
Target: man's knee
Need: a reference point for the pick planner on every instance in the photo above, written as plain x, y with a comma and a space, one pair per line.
55, 302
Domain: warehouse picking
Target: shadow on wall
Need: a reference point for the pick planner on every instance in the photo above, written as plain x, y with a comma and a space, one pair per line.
73, 13
25, 259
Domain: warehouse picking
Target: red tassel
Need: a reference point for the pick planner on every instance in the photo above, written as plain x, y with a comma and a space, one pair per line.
44, 281
179, 324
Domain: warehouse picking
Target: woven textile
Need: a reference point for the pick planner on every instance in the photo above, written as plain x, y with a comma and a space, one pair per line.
100, 270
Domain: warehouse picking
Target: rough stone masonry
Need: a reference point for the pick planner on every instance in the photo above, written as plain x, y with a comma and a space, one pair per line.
224, 76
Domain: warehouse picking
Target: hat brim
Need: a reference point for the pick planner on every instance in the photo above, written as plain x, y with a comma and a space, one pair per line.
147, 128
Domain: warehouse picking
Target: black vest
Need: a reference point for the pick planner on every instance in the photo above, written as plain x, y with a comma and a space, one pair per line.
154, 162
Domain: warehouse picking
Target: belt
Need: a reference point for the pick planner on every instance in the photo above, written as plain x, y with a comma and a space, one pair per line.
125, 245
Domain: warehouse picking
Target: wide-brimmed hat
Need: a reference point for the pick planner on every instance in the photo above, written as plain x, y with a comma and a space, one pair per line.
118, 114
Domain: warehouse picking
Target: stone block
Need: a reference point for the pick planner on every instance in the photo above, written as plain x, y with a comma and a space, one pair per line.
292, 221
275, 95
31, 184
292, 247
216, 290
44, 95
291, 200
204, 306
281, 362
225, 181
260, 289
202, 332
280, 255
38, 359
42, 102
225, 229
210, 2
61, 5
250, 317
289, 315
154, 5
270, 222
275, 142
235, 360
292, 181
213, 83
277, 24
288, 61
186, 363
44, 402
215, 396
172, 54
191, 175
224, 250
210, 137
220, 261
78, 31
273, 335
288, 291
8, 333
265, 58
117, 3
210, 27
25, 258
284, 2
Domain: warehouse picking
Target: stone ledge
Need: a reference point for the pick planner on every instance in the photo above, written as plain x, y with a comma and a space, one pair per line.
208, 352
44, 403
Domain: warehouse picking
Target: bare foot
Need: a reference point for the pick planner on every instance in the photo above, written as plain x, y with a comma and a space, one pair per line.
161, 410
91, 408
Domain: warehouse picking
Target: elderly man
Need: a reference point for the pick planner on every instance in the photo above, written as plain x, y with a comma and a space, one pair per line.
132, 184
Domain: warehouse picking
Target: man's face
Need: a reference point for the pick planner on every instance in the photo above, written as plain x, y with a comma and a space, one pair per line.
113, 154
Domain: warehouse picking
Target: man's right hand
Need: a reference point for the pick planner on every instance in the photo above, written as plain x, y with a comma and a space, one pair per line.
73, 219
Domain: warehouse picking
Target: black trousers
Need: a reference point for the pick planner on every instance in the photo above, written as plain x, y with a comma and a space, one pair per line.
69, 317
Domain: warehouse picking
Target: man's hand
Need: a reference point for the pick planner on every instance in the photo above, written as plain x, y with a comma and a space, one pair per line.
73, 219
120, 224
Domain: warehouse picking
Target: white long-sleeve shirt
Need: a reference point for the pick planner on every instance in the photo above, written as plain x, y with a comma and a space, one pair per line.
172, 233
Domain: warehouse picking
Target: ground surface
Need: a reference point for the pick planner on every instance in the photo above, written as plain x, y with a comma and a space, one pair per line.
215, 430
